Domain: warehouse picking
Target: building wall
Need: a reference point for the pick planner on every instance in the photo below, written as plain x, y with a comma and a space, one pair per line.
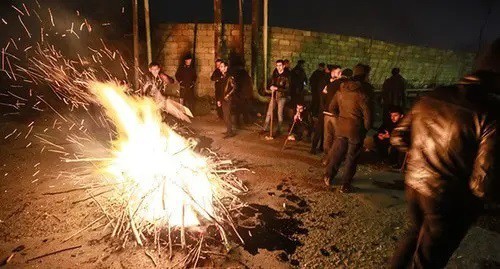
421, 66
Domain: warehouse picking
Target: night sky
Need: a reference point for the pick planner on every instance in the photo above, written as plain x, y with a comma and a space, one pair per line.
452, 24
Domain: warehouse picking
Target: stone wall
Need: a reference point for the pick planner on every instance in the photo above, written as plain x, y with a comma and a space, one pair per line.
421, 66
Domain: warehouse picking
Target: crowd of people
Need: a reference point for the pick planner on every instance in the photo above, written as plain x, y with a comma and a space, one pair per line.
447, 140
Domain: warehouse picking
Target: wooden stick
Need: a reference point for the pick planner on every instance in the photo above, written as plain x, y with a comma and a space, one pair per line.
83, 229
54, 252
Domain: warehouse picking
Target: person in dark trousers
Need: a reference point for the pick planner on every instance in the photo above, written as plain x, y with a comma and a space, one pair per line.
301, 123
216, 78
361, 73
451, 136
242, 99
228, 91
280, 85
186, 76
383, 135
354, 118
328, 93
393, 93
318, 120
314, 82
298, 81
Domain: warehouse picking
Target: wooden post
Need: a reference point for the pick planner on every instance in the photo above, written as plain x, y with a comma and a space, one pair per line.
148, 30
241, 30
135, 28
264, 37
255, 42
217, 28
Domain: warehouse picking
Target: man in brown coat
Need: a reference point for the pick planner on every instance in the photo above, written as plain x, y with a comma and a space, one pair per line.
351, 107
451, 136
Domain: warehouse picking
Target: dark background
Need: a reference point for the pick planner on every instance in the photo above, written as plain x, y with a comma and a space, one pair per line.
450, 24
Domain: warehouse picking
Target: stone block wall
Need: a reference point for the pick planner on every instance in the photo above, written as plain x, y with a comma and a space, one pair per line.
421, 66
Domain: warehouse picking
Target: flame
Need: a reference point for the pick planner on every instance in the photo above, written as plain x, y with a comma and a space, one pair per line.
171, 183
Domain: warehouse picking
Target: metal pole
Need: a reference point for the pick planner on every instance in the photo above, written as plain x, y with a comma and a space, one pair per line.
148, 30
264, 37
135, 26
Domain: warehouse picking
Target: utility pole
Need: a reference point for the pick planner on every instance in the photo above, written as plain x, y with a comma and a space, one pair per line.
217, 28
135, 27
255, 41
241, 30
264, 35
148, 30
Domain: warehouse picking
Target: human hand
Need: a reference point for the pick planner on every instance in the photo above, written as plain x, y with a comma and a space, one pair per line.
219, 103
273, 88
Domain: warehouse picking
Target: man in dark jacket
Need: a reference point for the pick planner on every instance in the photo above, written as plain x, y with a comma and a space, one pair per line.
228, 92
186, 76
314, 81
451, 137
383, 136
216, 78
318, 116
298, 81
354, 118
393, 92
280, 85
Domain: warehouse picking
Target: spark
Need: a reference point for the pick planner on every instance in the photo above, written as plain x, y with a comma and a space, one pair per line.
4, 21
9, 135
26, 9
18, 10
51, 18
28, 32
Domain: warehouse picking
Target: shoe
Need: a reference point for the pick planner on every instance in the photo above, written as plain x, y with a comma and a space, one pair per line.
228, 135
346, 188
327, 180
263, 132
313, 151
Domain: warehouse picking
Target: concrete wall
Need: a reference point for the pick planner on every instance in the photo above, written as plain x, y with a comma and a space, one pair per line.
421, 66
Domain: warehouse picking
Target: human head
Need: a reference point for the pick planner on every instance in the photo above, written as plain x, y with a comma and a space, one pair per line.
154, 68
188, 59
286, 63
223, 66
217, 63
347, 72
396, 113
335, 71
395, 71
321, 66
490, 61
301, 63
362, 71
328, 68
280, 66
300, 108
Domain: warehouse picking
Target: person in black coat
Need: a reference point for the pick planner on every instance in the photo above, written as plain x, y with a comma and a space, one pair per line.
298, 81
393, 92
314, 83
216, 78
186, 76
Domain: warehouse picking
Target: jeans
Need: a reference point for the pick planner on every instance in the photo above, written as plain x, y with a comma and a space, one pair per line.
280, 103
438, 224
342, 150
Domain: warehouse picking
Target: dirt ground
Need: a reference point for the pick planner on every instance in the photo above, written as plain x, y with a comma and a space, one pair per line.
317, 227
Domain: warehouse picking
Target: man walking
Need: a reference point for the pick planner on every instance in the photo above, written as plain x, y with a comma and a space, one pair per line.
354, 118
216, 77
451, 136
225, 101
186, 76
280, 85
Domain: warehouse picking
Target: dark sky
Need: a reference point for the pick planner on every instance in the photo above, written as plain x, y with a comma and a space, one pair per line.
453, 24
